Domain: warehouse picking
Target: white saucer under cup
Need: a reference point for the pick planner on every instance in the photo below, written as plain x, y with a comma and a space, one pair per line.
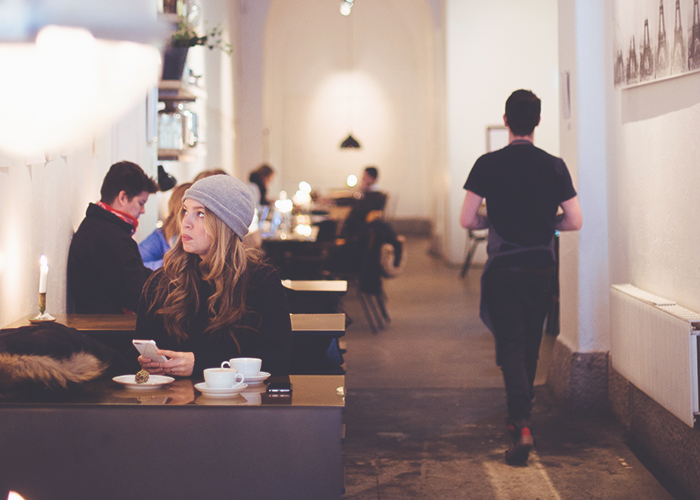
257, 379
220, 393
222, 378
249, 367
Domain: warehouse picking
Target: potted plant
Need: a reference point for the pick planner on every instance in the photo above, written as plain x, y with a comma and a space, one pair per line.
184, 37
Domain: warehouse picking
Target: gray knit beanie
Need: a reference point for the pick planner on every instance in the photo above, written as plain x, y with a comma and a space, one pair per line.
227, 197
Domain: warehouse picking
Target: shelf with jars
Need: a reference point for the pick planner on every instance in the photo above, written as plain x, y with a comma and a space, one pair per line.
177, 125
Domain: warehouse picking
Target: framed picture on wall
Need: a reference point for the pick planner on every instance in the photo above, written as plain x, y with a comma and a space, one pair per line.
496, 137
655, 40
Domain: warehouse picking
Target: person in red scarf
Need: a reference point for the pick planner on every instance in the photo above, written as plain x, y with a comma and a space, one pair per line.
105, 269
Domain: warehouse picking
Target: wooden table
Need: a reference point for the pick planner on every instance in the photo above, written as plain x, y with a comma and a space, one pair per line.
113, 330
338, 286
118, 330
90, 323
329, 325
296, 256
99, 325
109, 442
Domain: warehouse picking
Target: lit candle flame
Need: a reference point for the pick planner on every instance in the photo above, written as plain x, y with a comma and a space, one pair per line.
44, 273
14, 496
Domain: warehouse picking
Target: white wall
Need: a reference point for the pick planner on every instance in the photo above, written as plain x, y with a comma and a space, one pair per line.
654, 181
635, 154
369, 73
586, 54
494, 48
248, 88
42, 204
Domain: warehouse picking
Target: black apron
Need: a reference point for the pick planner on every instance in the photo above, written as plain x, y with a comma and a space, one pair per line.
495, 250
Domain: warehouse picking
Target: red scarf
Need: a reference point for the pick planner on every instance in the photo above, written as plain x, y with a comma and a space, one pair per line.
122, 215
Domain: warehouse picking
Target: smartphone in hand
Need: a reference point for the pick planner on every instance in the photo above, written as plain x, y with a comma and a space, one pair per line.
148, 348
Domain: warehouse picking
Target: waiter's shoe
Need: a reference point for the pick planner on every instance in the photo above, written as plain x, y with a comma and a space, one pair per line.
521, 444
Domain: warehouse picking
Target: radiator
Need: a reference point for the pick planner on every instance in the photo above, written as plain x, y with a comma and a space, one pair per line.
654, 346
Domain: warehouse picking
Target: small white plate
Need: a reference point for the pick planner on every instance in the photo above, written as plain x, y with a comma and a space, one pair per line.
219, 393
153, 381
257, 379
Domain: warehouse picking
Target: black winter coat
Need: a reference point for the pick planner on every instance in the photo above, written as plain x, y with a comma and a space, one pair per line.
105, 269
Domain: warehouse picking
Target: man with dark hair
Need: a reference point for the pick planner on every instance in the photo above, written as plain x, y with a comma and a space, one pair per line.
369, 179
105, 269
524, 187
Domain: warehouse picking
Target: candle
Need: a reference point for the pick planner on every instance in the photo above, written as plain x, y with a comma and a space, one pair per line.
44, 273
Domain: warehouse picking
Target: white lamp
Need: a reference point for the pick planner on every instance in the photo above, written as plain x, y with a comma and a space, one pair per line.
64, 86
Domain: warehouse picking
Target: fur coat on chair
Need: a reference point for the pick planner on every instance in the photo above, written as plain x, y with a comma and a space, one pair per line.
52, 356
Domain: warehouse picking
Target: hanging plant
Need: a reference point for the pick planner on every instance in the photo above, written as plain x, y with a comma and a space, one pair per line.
186, 36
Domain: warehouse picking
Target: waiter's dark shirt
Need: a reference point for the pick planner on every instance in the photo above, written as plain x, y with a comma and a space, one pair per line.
523, 187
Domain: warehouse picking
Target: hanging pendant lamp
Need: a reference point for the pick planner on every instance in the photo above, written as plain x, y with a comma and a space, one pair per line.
350, 142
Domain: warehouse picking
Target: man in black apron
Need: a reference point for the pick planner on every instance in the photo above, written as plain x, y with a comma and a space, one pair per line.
524, 188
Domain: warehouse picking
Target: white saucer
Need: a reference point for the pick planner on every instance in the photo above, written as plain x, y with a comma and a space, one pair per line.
219, 393
257, 379
153, 381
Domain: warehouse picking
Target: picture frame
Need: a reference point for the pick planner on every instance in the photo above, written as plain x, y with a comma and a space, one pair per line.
496, 137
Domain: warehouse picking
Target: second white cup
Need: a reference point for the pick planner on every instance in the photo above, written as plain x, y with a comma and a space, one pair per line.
222, 378
250, 367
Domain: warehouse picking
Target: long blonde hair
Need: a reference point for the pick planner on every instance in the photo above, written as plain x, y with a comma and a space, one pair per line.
171, 225
225, 267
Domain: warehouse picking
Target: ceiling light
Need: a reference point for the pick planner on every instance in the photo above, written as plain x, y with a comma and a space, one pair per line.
74, 68
349, 142
345, 7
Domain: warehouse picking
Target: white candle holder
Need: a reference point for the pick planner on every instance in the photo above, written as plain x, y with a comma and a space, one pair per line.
43, 315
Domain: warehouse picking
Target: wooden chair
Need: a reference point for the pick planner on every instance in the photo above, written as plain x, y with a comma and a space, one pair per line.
475, 237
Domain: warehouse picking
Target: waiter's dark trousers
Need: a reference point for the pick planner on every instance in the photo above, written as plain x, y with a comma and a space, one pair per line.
518, 299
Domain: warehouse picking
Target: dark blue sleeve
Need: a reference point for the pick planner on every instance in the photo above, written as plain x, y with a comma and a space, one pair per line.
153, 248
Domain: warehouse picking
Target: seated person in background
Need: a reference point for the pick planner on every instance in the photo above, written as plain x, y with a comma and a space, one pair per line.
372, 201
369, 180
213, 299
105, 270
260, 179
154, 247
368, 198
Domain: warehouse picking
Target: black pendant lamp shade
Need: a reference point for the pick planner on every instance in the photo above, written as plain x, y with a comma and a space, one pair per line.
350, 142
165, 181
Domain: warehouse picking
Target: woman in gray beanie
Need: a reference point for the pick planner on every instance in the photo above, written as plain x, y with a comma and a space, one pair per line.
213, 299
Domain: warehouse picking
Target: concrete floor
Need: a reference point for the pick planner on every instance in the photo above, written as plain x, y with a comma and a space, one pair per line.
426, 408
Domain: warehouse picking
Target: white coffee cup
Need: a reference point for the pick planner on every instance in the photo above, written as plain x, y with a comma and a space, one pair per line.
223, 378
250, 367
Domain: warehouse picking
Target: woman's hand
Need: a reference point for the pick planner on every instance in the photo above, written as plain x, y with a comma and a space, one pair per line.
180, 364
